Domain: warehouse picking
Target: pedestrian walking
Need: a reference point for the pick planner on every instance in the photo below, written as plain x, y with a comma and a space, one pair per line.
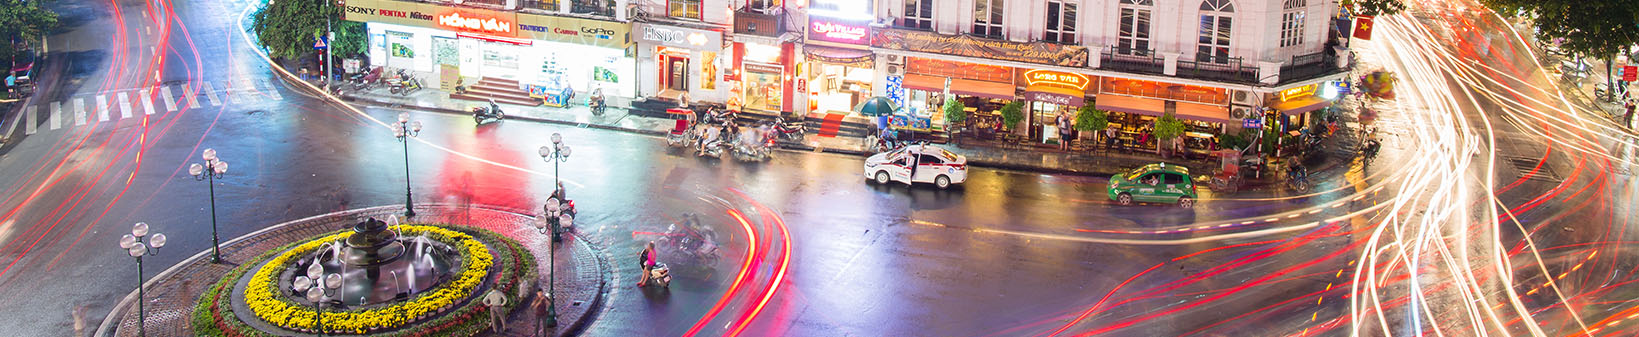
1109, 137
1064, 131
495, 300
541, 305
1627, 119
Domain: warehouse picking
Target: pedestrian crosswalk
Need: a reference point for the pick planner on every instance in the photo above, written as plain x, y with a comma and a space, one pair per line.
78, 109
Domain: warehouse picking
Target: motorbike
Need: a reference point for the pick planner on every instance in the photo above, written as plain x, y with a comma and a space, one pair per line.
596, 102
697, 242
1254, 165
1298, 178
367, 80
491, 113
794, 131
714, 139
1370, 150
660, 275
403, 84
876, 144
753, 147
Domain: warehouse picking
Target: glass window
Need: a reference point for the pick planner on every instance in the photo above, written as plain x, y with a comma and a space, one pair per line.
688, 9
549, 5
1061, 22
1135, 29
763, 4
1212, 44
1291, 28
918, 14
1173, 179
928, 159
987, 18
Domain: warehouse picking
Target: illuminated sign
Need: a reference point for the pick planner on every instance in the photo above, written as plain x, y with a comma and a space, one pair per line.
680, 37
488, 25
1289, 94
1071, 80
834, 31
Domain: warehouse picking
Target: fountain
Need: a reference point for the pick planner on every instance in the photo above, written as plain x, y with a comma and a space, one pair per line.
361, 258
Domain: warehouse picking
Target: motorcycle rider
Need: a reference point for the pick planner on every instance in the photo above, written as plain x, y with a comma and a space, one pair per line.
647, 258
708, 138
596, 101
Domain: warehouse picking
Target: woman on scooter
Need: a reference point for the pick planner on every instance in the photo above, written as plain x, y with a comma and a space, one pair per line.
647, 257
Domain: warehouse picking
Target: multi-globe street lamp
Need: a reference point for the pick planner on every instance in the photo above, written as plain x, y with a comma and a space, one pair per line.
135, 245
317, 285
542, 227
404, 130
556, 153
212, 169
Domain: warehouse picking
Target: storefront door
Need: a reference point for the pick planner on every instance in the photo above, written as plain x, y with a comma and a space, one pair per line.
677, 73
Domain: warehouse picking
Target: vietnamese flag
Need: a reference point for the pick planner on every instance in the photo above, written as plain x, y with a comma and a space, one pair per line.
1363, 27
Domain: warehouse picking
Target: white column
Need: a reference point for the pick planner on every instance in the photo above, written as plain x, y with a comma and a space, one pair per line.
1269, 72
1170, 67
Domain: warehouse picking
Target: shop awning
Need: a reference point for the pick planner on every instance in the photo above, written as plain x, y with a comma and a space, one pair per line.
1055, 95
1205, 113
858, 58
960, 86
1302, 105
1132, 105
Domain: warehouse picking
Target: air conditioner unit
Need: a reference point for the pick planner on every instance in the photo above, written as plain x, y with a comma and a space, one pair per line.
896, 70
1240, 112
896, 59
1243, 97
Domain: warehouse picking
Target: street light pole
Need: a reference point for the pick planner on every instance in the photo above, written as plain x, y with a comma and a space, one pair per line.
212, 168
404, 130
552, 271
555, 217
316, 286
135, 246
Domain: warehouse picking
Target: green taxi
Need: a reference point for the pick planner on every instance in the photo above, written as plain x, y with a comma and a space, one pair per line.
1154, 183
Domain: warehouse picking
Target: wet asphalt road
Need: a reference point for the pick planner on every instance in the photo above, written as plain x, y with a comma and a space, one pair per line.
1009, 253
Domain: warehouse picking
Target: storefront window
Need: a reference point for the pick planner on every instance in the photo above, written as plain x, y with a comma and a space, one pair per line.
688, 9
708, 70
763, 4
840, 87
763, 89
546, 5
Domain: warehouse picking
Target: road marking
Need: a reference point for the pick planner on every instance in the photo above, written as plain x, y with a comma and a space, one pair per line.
273, 91
125, 105
170, 101
210, 94
102, 108
146, 95
193, 96
55, 120
29, 128
235, 94
14, 122
79, 111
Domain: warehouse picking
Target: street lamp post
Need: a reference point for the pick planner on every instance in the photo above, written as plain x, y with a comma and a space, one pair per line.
404, 130
317, 285
556, 153
541, 226
212, 169
134, 244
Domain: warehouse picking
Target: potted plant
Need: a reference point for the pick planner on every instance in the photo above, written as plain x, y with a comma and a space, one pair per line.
1012, 114
1090, 121
1167, 130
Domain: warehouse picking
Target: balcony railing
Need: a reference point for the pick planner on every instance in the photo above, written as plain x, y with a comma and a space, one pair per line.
759, 21
1309, 66
594, 7
1226, 69
1132, 60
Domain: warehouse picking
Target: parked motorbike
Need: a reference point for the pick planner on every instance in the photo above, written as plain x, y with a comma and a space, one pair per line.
793, 131
480, 115
367, 80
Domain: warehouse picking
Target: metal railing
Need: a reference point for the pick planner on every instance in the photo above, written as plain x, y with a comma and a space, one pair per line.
1217, 68
1133, 60
595, 7
1309, 66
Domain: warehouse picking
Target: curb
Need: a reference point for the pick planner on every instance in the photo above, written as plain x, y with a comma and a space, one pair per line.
604, 277
366, 101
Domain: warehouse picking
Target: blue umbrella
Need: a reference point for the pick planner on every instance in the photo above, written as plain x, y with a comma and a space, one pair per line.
876, 106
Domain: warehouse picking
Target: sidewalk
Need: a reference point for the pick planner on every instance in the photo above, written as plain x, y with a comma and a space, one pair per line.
171, 295
616, 117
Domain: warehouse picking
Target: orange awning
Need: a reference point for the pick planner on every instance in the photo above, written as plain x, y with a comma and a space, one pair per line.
1132, 105
1205, 113
960, 86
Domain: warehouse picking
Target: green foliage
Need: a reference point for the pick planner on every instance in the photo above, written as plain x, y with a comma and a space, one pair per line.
1376, 7
1012, 114
1092, 119
288, 29
955, 112
1233, 141
24, 21
1598, 28
1168, 127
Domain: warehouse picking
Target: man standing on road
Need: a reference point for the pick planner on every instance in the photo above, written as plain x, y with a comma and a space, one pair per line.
542, 302
1627, 119
495, 300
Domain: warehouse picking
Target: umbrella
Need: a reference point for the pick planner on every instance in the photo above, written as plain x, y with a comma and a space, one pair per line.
876, 106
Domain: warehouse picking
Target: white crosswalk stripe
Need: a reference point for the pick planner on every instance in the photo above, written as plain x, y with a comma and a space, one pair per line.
102, 108
79, 111
193, 97
125, 105
170, 101
55, 120
210, 94
29, 124
146, 95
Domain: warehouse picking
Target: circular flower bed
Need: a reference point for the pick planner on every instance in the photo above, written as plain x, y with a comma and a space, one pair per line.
213, 316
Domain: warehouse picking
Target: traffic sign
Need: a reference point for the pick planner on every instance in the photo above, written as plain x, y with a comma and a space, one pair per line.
320, 44
1252, 123
1630, 73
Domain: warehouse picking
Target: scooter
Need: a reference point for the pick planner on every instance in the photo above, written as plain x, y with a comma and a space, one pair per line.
367, 80
411, 85
660, 275
1370, 151
483, 114
1298, 179
794, 131
698, 244
754, 150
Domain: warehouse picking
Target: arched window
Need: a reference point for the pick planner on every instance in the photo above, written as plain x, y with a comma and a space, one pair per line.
1291, 23
1216, 26
1135, 28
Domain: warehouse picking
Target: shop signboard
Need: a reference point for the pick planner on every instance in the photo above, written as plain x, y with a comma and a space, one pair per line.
838, 30
591, 32
1289, 94
1054, 98
461, 19
963, 45
1048, 77
672, 36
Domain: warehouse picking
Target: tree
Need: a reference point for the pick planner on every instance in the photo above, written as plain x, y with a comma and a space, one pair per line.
955, 112
1012, 114
288, 28
1167, 128
1092, 119
1375, 7
22, 21
1599, 28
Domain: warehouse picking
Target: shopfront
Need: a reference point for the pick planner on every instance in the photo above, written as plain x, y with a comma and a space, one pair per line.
1133, 106
1049, 94
1295, 104
682, 61
531, 50
982, 88
840, 68
935, 65
763, 77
